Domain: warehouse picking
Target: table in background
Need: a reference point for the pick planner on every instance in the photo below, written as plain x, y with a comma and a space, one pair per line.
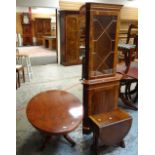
50, 42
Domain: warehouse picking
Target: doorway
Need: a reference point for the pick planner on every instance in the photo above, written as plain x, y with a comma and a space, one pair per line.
36, 29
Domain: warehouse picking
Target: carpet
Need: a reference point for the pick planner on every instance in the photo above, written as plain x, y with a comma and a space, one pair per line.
39, 55
53, 76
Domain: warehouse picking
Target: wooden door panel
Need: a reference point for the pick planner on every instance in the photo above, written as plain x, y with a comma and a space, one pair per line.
72, 39
39, 27
47, 26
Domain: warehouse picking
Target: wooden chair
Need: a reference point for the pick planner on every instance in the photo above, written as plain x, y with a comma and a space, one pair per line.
127, 47
24, 60
127, 81
19, 68
132, 33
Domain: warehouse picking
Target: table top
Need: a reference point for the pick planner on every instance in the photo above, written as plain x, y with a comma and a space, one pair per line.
55, 112
126, 46
50, 37
109, 118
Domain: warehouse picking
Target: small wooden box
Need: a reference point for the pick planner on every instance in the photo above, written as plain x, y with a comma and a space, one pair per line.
110, 128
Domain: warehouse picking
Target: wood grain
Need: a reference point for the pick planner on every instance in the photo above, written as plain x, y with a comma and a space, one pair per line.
54, 112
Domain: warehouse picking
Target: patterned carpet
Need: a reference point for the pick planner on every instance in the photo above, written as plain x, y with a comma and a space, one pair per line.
29, 140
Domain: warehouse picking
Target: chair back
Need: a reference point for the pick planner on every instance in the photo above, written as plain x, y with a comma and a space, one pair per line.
132, 37
132, 33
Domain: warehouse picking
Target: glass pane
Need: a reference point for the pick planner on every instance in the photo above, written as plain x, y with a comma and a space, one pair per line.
104, 30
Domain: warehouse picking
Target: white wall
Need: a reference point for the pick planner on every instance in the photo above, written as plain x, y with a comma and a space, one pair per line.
55, 3
22, 9
128, 3
36, 10
38, 3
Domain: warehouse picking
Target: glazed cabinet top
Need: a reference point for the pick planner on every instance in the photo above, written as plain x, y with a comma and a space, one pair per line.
101, 27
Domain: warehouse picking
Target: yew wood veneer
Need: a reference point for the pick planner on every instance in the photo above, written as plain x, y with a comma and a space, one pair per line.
110, 128
100, 81
55, 112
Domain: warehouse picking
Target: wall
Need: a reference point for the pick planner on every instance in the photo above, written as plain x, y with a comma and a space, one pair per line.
38, 3
18, 23
127, 3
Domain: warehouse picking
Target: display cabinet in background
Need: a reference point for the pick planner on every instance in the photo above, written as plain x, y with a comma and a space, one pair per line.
42, 28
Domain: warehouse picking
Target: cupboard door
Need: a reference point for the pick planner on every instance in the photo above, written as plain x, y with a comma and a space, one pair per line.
104, 30
103, 44
42, 28
47, 26
39, 27
72, 39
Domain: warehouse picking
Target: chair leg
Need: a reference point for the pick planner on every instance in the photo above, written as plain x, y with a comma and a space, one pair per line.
135, 91
23, 74
127, 91
18, 79
127, 102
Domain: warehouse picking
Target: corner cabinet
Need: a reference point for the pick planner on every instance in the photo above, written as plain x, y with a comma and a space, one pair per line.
100, 25
69, 37
101, 38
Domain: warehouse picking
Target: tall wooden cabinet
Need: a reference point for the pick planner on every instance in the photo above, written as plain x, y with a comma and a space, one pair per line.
100, 80
42, 28
27, 29
69, 37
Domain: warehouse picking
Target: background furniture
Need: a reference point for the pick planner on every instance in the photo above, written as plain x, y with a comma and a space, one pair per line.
42, 28
131, 40
24, 60
49, 42
100, 81
127, 51
19, 69
69, 37
27, 30
55, 112
130, 94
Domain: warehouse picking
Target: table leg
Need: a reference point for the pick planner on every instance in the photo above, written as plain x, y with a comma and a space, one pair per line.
70, 140
95, 144
122, 144
45, 142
